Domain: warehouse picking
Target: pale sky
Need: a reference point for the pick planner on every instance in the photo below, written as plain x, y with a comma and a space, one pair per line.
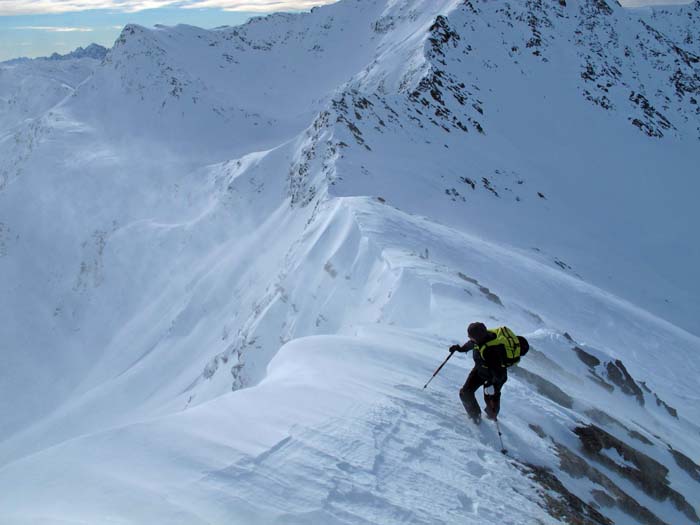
40, 27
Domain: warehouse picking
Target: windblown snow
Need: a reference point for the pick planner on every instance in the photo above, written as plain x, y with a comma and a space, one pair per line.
230, 259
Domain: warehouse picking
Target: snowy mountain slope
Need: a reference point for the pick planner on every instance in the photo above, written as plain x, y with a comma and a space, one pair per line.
346, 431
245, 88
363, 219
528, 94
29, 88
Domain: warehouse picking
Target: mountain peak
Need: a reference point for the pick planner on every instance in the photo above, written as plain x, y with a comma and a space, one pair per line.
94, 51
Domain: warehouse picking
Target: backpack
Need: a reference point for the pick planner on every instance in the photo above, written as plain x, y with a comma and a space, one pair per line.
515, 346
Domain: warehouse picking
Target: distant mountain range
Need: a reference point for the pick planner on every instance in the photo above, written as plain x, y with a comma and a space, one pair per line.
94, 51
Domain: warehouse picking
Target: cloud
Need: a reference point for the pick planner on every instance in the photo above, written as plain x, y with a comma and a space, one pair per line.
35, 7
643, 3
259, 6
56, 29
24, 7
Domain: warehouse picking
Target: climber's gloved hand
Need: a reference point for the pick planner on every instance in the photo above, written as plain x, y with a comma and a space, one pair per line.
455, 348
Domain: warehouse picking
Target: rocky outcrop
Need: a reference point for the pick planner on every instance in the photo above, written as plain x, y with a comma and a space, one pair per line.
687, 464
618, 374
559, 502
611, 496
643, 471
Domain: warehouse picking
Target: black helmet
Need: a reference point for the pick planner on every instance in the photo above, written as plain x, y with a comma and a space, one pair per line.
477, 332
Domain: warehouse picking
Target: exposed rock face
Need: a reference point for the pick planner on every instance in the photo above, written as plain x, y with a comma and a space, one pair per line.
619, 375
590, 360
560, 503
612, 495
644, 472
604, 456
687, 464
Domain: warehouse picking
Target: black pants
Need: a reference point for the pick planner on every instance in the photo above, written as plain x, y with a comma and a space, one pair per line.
478, 377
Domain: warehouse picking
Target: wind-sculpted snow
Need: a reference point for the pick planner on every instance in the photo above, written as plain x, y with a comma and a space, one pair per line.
230, 259
340, 429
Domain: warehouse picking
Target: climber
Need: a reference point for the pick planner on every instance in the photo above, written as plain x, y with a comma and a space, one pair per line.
494, 351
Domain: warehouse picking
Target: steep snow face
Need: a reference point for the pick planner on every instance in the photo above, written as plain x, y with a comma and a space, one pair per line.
231, 259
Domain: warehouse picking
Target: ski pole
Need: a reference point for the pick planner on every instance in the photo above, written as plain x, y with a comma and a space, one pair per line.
438, 369
498, 428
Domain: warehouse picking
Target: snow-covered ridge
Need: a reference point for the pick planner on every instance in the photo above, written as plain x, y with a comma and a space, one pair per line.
231, 259
30, 87
487, 73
